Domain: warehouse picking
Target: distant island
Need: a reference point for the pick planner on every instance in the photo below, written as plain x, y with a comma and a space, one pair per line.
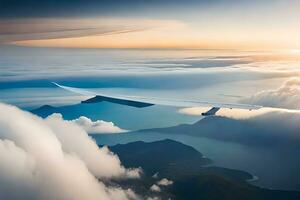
192, 175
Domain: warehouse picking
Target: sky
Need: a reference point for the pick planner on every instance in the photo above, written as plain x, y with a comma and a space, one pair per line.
218, 24
229, 65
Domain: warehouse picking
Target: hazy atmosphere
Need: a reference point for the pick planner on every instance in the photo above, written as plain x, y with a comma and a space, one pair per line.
111, 99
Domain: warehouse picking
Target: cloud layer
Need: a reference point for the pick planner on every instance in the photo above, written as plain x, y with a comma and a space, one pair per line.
14, 30
161, 183
55, 159
155, 188
97, 127
165, 182
286, 96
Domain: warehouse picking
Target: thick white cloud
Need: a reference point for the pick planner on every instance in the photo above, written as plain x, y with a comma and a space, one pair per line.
153, 198
286, 96
98, 126
155, 188
165, 182
87, 149
54, 159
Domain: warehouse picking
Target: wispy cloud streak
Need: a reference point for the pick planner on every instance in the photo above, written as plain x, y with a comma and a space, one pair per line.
12, 30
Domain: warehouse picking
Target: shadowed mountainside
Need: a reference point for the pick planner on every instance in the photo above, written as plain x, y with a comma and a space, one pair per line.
252, 132
189, 170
